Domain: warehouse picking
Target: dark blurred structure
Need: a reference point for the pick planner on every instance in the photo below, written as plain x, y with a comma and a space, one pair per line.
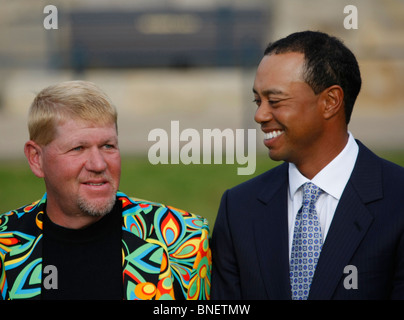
218, 37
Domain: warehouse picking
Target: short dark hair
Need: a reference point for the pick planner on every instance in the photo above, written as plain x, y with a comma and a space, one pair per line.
327, 62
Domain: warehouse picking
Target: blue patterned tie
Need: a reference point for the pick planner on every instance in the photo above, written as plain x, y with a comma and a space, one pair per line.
306, 245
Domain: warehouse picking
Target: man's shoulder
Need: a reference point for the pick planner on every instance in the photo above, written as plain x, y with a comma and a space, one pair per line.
392, 174
274, 175
159, 215
389, 168
13, 219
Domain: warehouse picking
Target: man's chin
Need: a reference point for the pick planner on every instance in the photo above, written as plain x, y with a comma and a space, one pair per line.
96, 207
274, 156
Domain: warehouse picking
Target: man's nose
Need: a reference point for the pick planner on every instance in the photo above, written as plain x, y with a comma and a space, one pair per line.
263, 113
96, 161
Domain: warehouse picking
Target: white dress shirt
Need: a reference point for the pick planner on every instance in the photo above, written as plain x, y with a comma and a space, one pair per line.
332, 179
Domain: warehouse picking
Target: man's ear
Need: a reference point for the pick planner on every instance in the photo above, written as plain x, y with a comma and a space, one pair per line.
333, 99
34, 154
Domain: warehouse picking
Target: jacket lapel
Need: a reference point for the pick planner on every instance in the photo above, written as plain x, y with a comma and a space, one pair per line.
271, 234
23, 262
350, 224
141, 258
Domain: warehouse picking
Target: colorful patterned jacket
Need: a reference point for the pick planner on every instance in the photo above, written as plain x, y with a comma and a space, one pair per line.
175, 249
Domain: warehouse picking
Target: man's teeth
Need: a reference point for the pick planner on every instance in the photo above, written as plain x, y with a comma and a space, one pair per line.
272, 134
95, 184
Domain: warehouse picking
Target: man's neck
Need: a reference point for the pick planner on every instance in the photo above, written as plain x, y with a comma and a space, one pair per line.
310, 167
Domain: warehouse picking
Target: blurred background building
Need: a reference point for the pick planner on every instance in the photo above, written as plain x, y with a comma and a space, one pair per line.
187, 60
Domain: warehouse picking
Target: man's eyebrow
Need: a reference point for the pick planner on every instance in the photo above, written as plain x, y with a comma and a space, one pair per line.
268, 92
84, 142
111, 140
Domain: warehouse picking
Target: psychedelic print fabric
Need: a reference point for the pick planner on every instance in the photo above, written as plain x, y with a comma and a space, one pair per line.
165, 252
176, 250
21, 252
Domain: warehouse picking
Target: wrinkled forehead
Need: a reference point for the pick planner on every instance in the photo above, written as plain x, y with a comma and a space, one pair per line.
70, 128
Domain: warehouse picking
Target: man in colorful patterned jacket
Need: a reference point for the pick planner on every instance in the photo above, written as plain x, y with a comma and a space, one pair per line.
85, 239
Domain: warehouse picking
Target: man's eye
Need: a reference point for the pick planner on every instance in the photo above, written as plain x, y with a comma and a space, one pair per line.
77, 148
272, 102
257, 101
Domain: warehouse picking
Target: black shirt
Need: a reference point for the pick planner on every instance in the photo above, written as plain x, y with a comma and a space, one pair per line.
88, 261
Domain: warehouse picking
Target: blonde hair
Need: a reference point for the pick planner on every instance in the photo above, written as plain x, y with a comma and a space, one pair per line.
55, 104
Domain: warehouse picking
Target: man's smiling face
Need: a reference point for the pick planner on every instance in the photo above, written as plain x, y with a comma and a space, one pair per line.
288, 109
81, 168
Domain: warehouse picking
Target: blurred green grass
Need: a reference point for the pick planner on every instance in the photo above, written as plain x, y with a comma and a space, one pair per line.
194, 188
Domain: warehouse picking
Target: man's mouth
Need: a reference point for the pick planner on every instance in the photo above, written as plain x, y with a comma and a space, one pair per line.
95, 183
272, 134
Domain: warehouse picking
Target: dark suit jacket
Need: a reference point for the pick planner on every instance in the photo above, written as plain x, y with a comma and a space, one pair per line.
250, 237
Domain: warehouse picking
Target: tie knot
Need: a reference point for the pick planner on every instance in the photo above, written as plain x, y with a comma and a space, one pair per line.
311, 192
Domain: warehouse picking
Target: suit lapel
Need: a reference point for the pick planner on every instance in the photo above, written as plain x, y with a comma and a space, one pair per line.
271, 234
350, 224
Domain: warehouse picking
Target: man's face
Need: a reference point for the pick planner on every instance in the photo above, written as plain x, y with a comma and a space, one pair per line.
288, 110
81, 168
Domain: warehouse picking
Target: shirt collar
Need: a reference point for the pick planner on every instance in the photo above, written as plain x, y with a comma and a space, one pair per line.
333, 177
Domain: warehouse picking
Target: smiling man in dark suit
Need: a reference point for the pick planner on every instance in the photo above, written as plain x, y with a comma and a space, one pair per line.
291, 232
